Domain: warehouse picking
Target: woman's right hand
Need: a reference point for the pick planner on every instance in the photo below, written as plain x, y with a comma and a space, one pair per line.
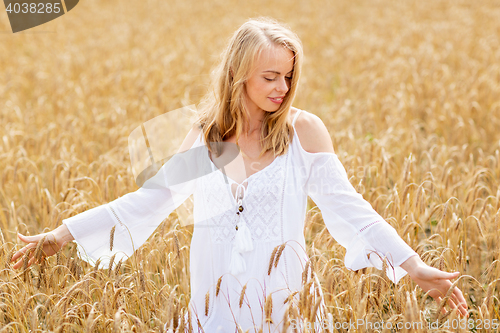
53, 242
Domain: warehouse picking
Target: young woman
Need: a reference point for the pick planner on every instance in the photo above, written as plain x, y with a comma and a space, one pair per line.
246, 207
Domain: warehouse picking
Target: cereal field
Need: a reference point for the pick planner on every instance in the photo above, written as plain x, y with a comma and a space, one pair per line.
409, 90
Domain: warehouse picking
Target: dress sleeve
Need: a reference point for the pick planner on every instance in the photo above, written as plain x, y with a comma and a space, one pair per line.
351, 220
135, 215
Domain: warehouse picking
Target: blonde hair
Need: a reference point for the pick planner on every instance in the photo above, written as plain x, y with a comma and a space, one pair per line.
222, 110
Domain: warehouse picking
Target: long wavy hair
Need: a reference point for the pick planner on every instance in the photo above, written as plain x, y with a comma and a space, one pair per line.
222, 111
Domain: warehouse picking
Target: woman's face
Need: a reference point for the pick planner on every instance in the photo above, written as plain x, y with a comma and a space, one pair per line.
269, 80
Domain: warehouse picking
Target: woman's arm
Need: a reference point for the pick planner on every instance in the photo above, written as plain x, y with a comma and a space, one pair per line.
353, 222
140, 211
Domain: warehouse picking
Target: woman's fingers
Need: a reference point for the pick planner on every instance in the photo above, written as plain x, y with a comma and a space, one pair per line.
451, 303
439, 300
455, 301
31, 239
445, 275
25, 257
460, 300
19, 263
456, 304
32, 261
22, 251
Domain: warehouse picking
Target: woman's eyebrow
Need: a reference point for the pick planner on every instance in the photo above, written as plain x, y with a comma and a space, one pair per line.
275, 72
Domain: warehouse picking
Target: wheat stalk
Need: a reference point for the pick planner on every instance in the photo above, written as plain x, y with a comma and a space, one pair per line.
242, 295
112, 238
207, 301
268, 309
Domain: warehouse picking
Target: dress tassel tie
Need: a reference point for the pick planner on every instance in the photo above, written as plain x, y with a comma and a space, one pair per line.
243, 239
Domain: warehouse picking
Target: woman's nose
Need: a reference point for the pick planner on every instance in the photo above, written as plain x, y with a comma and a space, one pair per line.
282, 86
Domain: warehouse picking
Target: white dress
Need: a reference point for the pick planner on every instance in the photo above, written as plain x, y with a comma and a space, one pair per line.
274, 207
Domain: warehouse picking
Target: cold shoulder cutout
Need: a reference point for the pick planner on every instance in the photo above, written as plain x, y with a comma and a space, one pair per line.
312, 133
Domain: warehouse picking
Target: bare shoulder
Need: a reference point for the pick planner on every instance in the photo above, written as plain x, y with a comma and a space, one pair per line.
313, 134
190, 139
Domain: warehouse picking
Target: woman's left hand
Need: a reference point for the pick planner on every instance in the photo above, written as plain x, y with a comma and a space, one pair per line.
436, 282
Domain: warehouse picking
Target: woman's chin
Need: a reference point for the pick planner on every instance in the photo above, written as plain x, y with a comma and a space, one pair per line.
272, 108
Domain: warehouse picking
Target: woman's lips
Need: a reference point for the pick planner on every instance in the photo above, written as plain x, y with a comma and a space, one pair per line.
277, 100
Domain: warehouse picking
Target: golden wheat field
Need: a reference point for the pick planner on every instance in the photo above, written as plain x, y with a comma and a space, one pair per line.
409, 90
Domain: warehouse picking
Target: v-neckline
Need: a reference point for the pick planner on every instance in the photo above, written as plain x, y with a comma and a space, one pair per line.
256, 173
253, 174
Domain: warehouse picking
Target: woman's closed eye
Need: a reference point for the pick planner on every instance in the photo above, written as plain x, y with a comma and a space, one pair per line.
287, 77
